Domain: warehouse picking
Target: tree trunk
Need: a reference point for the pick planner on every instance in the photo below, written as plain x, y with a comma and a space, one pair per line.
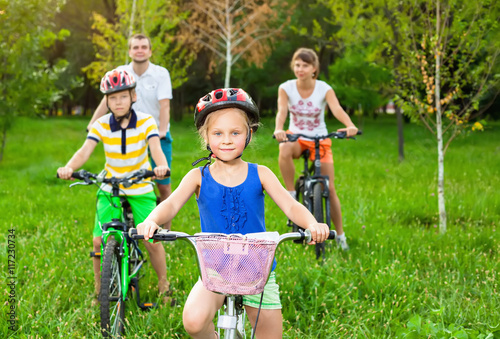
439, 129
229, 56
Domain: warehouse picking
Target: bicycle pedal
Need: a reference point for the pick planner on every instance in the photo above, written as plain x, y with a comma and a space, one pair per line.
148, 306
95, 254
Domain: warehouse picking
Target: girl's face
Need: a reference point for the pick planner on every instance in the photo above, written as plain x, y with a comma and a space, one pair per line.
303, 70
227, 132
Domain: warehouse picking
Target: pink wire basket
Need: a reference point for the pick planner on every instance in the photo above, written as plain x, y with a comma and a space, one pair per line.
235, 264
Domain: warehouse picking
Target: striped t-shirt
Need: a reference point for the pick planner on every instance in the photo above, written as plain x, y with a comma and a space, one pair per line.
126, 149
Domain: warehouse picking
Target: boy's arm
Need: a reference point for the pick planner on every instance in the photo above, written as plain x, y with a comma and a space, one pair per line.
158, 157
99, 112
281, 116
291, 207
77, 160
169, 208
340, 114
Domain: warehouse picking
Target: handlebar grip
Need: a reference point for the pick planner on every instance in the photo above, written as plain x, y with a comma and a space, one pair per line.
332, 235
78, 175
133, 234
149, 174
359, 132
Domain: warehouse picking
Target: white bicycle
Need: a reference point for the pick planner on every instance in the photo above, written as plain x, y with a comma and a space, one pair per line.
233, 265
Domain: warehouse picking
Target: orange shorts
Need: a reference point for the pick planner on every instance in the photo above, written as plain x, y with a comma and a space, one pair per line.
325, 149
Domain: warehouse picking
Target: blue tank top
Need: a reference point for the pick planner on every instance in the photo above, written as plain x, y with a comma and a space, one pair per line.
238, 209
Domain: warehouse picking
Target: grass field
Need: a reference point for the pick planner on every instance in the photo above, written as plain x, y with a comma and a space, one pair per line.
400, 278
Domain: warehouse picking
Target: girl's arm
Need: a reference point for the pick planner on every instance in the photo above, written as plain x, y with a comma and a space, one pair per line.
340, 114
158, 157
77, 160
291, 207
169, 208
281, 116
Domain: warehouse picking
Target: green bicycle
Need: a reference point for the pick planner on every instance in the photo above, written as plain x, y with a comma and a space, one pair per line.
121, 258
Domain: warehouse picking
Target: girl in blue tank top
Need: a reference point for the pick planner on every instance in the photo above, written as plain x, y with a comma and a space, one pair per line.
230, 196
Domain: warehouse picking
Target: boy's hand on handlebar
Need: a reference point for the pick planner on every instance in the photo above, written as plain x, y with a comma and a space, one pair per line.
280, 135
161, 171
350, 131
147, 228
65, 172
319, 232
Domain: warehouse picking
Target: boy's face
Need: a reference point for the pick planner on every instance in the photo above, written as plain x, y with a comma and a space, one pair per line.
227, 133
139, 50
120, 102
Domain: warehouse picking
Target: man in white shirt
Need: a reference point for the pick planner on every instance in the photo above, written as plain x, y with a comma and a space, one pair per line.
154, 91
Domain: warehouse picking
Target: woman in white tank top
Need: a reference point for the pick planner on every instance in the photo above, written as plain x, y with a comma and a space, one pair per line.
306, 98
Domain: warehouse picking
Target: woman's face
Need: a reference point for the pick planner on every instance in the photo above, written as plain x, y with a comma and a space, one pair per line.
303, 70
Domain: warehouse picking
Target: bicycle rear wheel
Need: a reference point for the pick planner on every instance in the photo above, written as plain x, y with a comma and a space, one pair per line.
318, 215
111, 295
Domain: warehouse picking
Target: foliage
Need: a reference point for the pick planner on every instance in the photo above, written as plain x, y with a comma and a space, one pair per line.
158, 20
359, 83
231, 30
28, 82
398, 266
464, 37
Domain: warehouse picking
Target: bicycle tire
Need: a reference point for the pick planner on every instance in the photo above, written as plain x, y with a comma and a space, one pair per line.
111, 294
318, 215
299, 196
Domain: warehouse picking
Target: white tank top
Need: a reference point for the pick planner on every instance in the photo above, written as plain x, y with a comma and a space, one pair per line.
307, 115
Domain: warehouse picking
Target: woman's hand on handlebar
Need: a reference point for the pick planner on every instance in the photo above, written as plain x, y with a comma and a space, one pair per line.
65, 172
319, 232
280, 135
350, 131
147, 228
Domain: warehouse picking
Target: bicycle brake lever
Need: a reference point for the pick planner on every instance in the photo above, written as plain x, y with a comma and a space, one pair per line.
80, 183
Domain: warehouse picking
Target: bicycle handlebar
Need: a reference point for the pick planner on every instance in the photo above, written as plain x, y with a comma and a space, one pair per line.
129, 180
166, 235
335, 135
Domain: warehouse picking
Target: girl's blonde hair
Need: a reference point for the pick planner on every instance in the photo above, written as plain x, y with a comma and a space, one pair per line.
307, 55
203, 130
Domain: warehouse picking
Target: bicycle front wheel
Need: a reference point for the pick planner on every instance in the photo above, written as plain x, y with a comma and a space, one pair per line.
111, 295
319, 215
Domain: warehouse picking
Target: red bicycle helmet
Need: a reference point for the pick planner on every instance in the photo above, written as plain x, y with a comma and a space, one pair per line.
226, 98
117, 80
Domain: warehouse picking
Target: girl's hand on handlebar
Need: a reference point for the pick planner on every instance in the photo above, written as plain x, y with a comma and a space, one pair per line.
350, 131
147, 228
161, 171
65, 172
319, 232
280, 135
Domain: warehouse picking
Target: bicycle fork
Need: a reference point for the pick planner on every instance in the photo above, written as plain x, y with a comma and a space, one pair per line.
233, 321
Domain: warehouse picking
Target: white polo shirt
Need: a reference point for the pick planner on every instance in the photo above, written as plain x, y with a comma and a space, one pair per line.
152, 86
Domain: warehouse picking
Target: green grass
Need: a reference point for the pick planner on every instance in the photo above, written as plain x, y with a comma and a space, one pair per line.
400, 279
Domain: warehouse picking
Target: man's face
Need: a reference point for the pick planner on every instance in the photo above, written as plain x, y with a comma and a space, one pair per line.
139, 50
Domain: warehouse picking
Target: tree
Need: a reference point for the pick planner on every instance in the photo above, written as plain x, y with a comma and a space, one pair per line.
449, 70
232, 29
157, 19
28, 81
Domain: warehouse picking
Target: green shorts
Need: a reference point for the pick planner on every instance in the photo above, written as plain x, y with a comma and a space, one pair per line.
271, 300
141, 205
166, 147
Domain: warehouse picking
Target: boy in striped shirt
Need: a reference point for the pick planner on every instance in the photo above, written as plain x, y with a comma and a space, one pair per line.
125, 135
